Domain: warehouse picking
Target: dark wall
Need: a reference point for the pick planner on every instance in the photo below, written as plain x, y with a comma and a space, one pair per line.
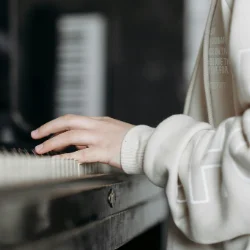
147, 67
4, 56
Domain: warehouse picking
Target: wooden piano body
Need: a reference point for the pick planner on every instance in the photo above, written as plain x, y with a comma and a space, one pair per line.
96, 208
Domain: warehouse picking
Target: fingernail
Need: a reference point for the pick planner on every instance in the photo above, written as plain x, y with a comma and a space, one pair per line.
34, 133
39, 147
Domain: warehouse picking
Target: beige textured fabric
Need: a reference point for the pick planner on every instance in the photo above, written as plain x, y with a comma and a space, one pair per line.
202, 157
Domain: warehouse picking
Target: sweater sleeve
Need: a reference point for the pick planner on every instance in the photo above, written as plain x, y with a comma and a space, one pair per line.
206, 173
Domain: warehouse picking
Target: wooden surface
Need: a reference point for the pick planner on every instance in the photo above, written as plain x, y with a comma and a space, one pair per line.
102, 212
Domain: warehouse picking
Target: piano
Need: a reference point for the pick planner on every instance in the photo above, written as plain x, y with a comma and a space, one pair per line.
48, 203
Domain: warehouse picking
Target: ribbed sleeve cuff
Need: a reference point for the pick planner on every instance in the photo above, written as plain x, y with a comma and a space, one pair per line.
133, 148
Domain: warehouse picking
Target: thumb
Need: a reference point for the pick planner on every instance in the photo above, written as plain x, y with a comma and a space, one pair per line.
87, 155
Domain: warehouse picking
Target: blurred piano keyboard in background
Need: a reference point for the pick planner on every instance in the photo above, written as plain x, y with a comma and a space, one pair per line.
80, 68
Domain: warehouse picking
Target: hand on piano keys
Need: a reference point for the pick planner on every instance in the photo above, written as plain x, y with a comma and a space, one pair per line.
22, 167
98, 139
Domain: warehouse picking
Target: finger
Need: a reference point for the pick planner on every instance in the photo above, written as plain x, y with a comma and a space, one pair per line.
56, 134
63, 123
87, 155
72, 137
100, 118
53, 135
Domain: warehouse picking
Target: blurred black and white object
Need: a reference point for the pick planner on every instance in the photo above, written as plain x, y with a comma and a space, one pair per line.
81, 65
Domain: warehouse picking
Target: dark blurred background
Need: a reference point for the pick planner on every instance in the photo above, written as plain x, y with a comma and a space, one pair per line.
4, 57
120, 58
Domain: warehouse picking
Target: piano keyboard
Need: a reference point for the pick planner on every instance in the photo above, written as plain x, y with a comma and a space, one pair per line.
21, 168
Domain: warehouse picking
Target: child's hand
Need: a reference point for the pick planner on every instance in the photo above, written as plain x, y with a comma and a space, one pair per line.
98, 138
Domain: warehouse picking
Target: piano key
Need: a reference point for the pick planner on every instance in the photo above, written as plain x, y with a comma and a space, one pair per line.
18, 166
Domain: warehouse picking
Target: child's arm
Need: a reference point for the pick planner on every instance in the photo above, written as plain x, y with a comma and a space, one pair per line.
206, 173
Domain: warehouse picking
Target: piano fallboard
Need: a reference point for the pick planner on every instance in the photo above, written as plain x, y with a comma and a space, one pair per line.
98, 212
